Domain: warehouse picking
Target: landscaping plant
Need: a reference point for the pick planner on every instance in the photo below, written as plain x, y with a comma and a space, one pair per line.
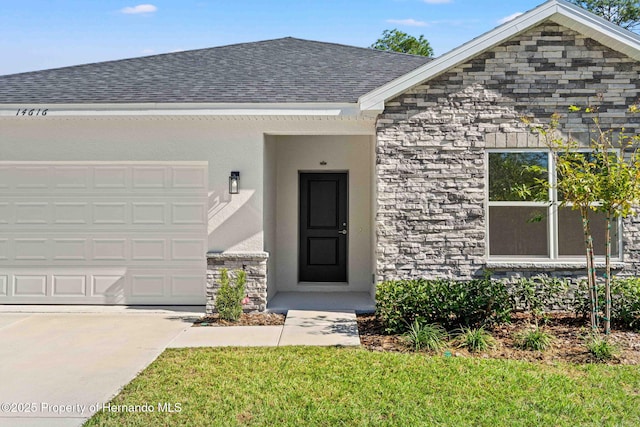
600, 347
625, 297
449, 303
534, 339
426, 336
540, 294
474, 339
230, 295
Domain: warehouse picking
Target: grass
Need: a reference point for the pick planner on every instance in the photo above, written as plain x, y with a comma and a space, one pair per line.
294, 386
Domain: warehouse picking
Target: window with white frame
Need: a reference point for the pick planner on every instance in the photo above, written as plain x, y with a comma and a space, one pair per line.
525, 219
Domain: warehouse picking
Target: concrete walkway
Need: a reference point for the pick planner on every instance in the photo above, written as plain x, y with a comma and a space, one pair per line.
301, 327
360, 302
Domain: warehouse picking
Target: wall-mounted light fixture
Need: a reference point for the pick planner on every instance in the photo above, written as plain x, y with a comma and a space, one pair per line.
234, 182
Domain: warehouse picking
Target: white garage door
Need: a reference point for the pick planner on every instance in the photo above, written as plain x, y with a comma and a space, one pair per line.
103, 232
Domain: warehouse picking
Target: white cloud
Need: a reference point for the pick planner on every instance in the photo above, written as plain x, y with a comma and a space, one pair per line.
509, 18
407, 22
141, 8
438, 1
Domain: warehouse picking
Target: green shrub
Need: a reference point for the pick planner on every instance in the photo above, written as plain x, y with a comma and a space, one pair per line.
540, 294
625, 301
430, 337
447, 302
601, 348
625, 305
533, 339
474, 339
229, 297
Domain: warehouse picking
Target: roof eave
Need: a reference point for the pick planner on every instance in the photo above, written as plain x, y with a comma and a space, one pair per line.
184, 109
558, 11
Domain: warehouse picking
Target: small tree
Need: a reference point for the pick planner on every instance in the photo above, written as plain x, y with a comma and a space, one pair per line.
618, 190
398, 41
606, 180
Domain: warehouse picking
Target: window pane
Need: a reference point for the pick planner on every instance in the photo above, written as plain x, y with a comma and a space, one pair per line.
571, 236
508, 173
518, 231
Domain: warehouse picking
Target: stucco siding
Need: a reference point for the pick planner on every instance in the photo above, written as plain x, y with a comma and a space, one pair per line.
235, 222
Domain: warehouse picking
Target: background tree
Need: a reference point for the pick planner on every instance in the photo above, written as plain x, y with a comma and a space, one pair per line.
625, 13
398, 41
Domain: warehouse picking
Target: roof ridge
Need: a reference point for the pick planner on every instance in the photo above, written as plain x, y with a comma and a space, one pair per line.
192, 51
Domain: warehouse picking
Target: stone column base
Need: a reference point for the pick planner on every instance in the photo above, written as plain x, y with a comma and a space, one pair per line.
253, 263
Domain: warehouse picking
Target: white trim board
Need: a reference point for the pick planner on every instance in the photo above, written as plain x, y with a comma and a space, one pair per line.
558, 11
184, 109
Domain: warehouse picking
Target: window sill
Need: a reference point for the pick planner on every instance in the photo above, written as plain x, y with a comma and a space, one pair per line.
548, 265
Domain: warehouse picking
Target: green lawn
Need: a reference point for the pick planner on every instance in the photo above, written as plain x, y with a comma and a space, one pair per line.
301, 386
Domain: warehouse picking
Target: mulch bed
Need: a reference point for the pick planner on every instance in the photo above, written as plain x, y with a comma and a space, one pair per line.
567, 346
246, 319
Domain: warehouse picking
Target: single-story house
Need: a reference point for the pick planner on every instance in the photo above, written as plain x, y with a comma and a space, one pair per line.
316, 167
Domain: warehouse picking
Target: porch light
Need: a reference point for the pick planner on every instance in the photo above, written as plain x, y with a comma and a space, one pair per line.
234, 182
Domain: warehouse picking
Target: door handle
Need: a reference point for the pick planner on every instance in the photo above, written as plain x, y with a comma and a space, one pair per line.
342, 231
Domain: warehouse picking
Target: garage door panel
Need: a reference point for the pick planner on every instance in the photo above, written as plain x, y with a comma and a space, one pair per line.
109, 286
69, 286
71, 177
149, 177
109, 213
186, 285
32, 213
109, 249
30, 249
5, 212
110, 177
75, 213
187, 249
30, 285
103, 232
148, 250
69, 249
31, 178
188, 213
149, 213
147, 285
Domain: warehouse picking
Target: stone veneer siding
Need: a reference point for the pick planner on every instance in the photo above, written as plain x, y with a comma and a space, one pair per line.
431, 143
255, 265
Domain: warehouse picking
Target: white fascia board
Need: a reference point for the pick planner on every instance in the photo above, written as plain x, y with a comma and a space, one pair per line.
184, 109
559, 11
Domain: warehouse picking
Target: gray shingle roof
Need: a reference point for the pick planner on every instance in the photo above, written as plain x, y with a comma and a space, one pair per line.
280, 70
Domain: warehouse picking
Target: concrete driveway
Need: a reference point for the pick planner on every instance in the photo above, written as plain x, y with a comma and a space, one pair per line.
56, 368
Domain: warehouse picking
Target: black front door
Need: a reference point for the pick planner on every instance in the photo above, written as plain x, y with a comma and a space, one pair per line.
323, 227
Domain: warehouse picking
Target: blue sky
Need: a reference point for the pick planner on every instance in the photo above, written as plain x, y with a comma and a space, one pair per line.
40, 34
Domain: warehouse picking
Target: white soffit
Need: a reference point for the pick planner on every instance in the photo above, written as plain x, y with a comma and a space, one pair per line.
558, 11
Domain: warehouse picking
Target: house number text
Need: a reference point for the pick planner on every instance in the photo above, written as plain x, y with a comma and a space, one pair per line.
32, 112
